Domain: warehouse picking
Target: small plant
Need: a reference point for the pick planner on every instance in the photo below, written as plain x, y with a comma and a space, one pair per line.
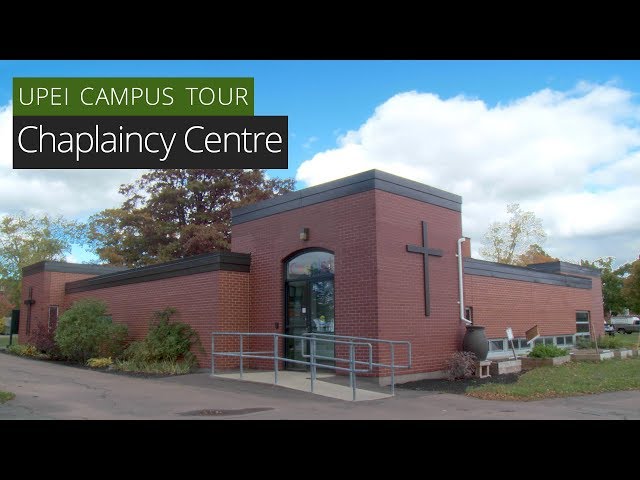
166, 340
609, 341
583, 342
461, 365
43, 340
84, 331
168, 367
547, 351
100, 362
25, 350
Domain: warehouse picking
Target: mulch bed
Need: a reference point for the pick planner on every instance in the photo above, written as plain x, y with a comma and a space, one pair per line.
457, 386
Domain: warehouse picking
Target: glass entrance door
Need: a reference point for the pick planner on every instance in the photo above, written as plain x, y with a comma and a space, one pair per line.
309, 303
322, 318
296, 321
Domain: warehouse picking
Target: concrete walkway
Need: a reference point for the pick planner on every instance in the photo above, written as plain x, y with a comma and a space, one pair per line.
49, 391
324, 385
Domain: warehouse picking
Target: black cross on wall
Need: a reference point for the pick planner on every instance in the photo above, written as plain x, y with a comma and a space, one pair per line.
425, 251
29, 302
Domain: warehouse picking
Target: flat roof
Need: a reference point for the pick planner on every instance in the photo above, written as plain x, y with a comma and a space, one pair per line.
358, 183
473, 266
64, 267
207, 262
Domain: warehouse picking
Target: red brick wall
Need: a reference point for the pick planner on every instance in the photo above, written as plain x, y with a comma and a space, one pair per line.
401, 314
345, 226
499, 303
207, 301
466, 247
48, 289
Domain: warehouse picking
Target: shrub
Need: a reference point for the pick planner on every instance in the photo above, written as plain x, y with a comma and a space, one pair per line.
43, 340
24, 350
166, 340
161, 367
547, 351
609, 341
103, 362
461, 365
584, 342
84, 331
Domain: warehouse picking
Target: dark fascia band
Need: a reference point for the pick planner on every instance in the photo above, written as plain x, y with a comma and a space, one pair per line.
208, 262
565, 268
483, 268
361, 182
64, 267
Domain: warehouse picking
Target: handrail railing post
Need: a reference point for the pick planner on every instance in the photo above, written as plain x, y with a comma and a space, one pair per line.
241, 364
393, 370
275, 357
213, 351
313, 362
352, 373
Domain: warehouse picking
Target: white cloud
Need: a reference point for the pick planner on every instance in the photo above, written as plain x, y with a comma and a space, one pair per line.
73, 193
572, 157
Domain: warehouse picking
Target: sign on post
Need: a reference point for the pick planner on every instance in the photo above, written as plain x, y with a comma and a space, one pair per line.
510, 338
532, 334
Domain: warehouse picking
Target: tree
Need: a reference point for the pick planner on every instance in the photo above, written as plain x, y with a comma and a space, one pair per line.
176, 213
614, 301
534, 254
506, 241
25, 240
631, 287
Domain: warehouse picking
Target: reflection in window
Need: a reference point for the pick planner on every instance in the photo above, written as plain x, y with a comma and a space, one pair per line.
582, 323
310, 264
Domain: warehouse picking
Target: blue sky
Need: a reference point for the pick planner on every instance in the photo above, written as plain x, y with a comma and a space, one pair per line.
322, 98
326, 99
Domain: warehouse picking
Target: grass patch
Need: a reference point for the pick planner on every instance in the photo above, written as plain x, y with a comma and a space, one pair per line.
6, 396
4, 340
575, 378
628, 341
166, 367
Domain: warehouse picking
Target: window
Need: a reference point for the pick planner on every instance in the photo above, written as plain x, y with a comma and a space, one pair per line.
568, 340
520, 343
310, 264
582, 323
468, 313
53, 317
496, 345
560, 341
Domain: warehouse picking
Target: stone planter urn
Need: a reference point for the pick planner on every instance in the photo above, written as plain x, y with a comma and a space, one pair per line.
475, 341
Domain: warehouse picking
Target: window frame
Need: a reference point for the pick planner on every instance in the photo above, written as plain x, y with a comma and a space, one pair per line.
586, 322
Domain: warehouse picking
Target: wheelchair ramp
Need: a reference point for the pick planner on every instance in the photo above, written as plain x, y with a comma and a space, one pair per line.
326, 384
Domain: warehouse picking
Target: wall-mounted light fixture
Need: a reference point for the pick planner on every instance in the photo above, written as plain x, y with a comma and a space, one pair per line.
304, 234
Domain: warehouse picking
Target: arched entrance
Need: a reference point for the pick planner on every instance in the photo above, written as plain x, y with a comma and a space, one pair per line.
309, 300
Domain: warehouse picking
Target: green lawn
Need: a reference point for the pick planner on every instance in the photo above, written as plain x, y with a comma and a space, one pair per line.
630, 340
575, 378
4, 340
6, 396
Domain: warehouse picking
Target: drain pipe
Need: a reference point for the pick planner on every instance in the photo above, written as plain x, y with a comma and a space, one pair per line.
461, 281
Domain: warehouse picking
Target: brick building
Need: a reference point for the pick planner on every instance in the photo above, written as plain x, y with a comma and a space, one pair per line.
371, 255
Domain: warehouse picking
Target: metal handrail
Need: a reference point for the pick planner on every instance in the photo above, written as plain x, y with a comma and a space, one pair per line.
392, 344
313, 339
